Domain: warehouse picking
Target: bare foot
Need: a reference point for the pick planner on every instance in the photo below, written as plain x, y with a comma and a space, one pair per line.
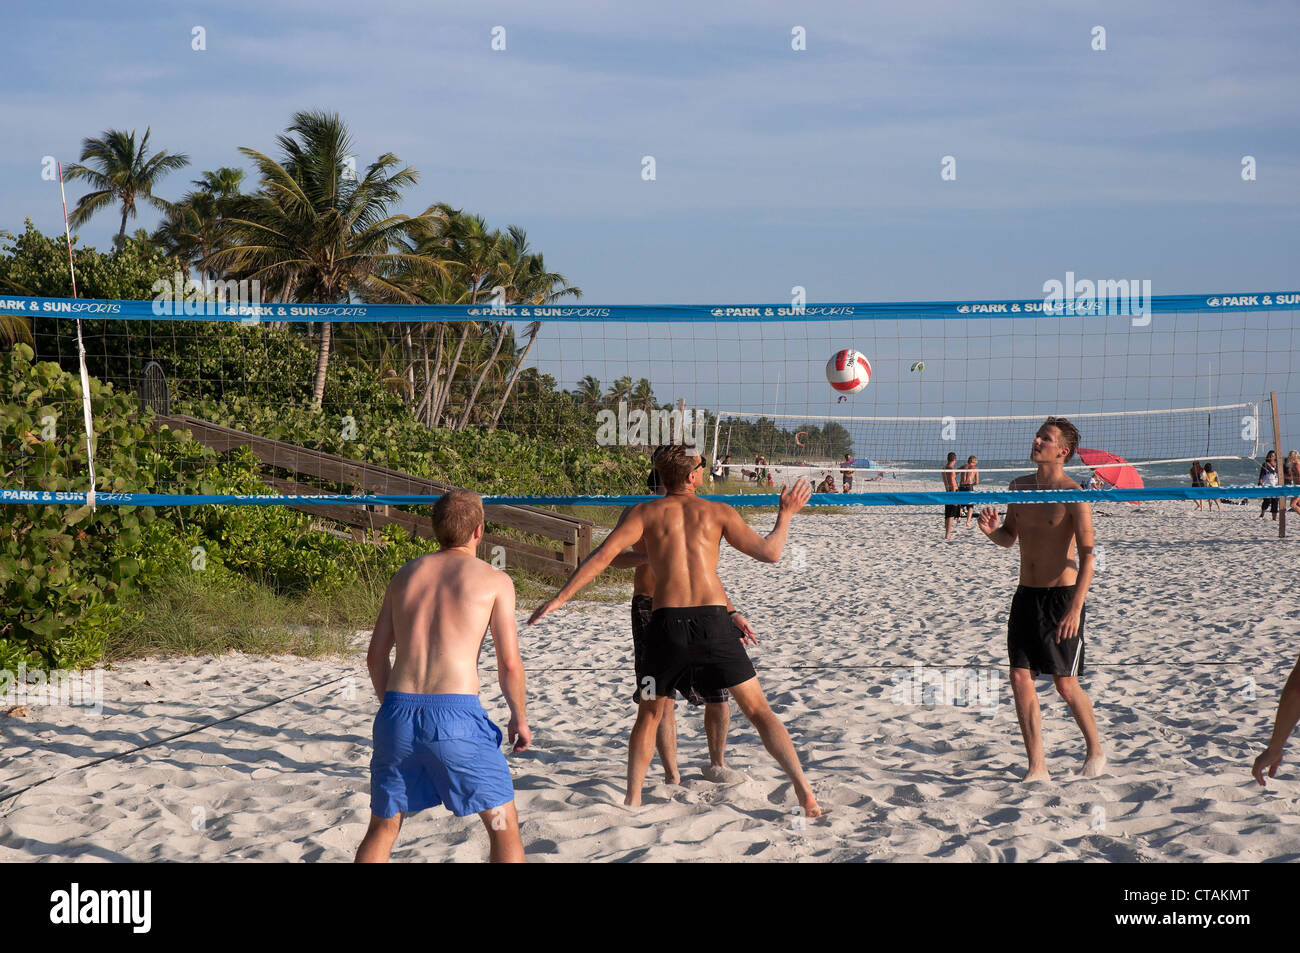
721, 774
631, 801
1093, 766
810, 806
673, 778
1037, 774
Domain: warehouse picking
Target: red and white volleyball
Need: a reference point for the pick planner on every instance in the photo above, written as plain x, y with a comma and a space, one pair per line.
848, 371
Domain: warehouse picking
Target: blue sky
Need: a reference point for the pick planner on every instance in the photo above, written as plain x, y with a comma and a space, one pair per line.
775, 168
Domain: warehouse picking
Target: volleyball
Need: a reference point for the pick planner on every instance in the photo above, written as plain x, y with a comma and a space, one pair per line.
848, 371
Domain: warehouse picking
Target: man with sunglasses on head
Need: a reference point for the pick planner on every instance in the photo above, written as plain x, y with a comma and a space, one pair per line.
717, 707
691, 639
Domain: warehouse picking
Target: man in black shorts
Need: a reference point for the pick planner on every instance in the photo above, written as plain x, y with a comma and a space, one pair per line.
717, 707
692, 640
1045, 627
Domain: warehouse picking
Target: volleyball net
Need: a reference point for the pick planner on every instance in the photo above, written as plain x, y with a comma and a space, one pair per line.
386, 404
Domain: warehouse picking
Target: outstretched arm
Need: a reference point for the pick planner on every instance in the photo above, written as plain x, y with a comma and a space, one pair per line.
627, 532
766, 549
1288, 714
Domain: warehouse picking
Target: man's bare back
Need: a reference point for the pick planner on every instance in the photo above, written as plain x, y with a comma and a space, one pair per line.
439, 607
681, 535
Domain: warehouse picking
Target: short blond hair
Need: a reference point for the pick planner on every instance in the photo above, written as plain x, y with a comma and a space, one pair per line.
674, 465
455, 517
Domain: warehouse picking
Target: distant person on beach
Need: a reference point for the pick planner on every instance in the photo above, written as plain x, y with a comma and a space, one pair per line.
1045, 626
1291, 477
716, 471
846, 473
1198, 479
717, 708
726, 467
1212, 479
433, 741
950, 511
691, 639
1095, 482
1288, 714
827, 485
970, 478
1268, 477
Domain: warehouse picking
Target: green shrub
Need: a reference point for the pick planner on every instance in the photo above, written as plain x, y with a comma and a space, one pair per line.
65, 571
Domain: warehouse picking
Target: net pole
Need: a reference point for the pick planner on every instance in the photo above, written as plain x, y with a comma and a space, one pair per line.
1281, 468
717, 425
81, 355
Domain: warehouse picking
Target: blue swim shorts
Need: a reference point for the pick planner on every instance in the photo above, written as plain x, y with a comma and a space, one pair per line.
436, 749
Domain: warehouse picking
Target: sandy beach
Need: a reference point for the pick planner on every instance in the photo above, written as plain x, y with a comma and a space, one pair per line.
883, 649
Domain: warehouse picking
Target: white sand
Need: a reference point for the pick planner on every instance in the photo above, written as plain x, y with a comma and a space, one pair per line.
1186, 611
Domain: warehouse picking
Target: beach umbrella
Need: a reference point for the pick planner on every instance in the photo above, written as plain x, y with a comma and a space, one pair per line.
1111, 468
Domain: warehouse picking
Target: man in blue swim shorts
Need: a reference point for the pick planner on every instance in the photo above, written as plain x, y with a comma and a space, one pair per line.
433, 741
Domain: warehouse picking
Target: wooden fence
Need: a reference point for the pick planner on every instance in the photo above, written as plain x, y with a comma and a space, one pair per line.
278, 458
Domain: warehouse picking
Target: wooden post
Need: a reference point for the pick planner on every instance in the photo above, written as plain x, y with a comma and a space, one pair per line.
1281, 465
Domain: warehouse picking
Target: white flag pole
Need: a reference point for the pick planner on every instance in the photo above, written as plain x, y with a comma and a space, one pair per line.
81, 354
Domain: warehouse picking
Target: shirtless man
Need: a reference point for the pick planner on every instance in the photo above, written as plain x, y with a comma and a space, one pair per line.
692, 640
970, 478
950, 512
1288, 714
1045, 627
717, 708
433, 742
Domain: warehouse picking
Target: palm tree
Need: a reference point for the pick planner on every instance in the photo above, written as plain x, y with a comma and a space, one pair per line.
16, 329
589, 395
643, 392
314, 233
477, 252
533, 328
487, 261
620, 390
524, 279
124, 173
192, 231
534, 285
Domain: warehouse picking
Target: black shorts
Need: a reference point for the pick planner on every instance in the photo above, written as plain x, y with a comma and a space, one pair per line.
951, 512
1031, 632
695, 650
642, 608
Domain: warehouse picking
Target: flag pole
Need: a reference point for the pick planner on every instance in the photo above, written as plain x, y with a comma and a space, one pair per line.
81, 355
